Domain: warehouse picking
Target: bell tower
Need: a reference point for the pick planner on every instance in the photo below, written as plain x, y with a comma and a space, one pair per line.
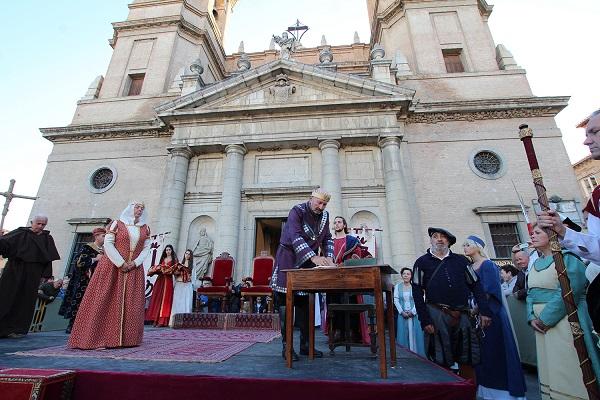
159, 38
434, 36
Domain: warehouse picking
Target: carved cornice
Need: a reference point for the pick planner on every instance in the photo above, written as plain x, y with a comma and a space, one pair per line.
384, 17
434, 118
146, 23
485, 9
391, 11
432, 113
110, 131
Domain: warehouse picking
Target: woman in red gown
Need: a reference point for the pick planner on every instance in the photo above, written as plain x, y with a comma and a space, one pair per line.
111, 313
161, 302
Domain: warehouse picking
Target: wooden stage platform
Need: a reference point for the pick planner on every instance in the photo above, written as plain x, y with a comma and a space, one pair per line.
259, 372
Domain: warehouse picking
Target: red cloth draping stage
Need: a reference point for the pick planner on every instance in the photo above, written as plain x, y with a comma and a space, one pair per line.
95, 385
35, 384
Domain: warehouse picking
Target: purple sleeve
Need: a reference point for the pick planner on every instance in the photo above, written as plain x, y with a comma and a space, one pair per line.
294, 226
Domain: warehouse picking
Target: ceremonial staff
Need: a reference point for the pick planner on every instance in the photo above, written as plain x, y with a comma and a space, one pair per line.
589, 378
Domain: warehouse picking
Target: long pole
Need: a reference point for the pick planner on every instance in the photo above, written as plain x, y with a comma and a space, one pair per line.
589, 378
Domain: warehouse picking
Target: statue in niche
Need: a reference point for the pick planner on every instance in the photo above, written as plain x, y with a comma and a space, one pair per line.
282, 90
202, 256
287, 44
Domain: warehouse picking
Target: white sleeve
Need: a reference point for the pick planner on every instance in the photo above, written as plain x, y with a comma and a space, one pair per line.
144, 253
109, 247
583, 244
397, 298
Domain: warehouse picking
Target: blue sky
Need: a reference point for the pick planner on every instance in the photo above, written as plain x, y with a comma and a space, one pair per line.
52, 50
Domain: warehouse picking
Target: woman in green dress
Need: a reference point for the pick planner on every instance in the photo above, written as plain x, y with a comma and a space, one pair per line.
558, 366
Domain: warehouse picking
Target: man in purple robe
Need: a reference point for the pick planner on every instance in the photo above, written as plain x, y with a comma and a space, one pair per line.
305, 235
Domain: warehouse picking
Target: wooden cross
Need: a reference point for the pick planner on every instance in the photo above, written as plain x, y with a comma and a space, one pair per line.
9, 196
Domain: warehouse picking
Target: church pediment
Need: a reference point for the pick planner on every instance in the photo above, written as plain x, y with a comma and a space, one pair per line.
285, 83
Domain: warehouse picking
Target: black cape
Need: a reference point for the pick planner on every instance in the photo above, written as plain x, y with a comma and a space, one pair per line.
30, 258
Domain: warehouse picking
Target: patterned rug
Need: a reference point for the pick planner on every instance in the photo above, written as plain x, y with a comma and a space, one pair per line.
226, 321
196, 345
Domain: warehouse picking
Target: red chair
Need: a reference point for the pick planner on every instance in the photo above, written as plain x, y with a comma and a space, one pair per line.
259, 285
222, 276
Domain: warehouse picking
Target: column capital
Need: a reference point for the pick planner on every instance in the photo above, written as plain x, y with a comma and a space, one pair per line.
389, 141
236, 148
181, 151
329, 144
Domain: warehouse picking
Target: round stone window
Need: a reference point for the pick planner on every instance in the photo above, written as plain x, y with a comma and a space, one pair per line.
102, 179
487, 164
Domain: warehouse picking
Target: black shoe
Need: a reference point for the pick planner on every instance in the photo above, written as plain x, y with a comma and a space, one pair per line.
15, 335
68, 330
304, 352
294, 355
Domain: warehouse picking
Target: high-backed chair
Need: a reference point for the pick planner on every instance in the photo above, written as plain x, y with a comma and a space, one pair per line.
220, 280
259, 284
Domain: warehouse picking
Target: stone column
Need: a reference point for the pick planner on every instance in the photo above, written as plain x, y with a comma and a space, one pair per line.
228, 221
331, 180
398, 211
172, 193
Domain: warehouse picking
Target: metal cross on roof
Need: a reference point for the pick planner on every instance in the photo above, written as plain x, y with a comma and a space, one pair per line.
9, 196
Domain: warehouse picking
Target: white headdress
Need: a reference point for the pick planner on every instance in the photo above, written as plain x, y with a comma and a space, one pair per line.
128, 218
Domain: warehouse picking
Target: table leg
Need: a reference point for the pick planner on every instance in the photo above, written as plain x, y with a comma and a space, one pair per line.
311, 326
391, 327
380, 331
289, 327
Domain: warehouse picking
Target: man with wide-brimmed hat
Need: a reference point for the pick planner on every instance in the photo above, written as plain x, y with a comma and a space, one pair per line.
305, 236
442, 284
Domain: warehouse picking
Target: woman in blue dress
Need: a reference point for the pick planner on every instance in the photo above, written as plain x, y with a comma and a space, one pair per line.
408, 329
499, 375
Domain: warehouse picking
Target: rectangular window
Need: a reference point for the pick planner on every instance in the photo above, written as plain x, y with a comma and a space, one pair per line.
504, 237
589, 184
80, 240
135, 84
453, 61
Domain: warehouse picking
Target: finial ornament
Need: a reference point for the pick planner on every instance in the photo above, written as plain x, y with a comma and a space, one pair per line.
525, 131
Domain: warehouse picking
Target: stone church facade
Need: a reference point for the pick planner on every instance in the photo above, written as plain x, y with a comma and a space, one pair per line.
417, 128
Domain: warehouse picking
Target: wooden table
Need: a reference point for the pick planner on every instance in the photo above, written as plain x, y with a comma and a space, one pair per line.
371, 278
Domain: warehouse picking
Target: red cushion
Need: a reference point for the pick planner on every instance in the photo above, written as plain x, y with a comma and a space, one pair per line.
263, 270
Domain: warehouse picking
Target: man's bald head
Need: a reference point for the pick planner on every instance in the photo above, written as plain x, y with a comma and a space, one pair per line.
592, 134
